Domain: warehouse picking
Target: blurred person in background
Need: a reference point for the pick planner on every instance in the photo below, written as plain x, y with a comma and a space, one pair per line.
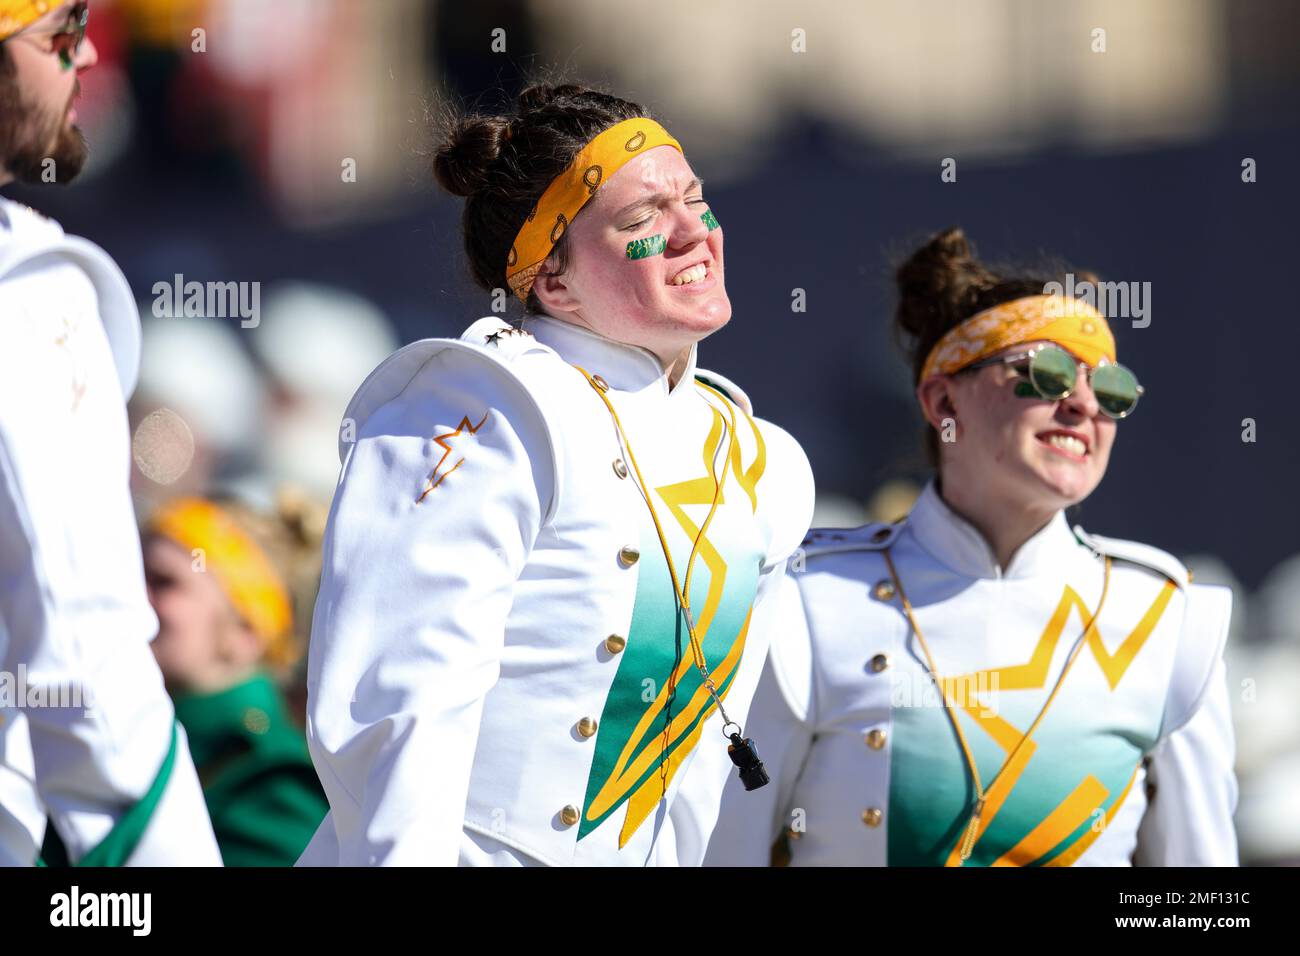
198, 414
551, 548
111, 773
226, 644
979, 684
307, 327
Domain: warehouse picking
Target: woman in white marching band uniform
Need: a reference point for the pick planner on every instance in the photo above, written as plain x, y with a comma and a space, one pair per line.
980, 684
543, 606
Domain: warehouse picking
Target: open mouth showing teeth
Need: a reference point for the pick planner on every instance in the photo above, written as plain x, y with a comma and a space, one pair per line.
1068, 444
693, 274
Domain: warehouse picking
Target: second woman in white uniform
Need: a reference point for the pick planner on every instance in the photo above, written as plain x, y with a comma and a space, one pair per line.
983, 684
551, 551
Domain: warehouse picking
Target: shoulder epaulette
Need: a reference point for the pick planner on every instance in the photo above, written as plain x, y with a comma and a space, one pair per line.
870, 537
726, 386
501, 337
1134, 552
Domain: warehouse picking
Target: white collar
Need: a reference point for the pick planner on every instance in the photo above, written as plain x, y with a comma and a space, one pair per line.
628, 368
956, 543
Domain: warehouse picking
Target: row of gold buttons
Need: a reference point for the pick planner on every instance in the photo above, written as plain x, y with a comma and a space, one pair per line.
875, 739
615, 643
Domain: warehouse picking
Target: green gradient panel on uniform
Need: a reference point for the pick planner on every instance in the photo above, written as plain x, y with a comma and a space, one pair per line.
644, 248
931, 795
657, 637
709, 219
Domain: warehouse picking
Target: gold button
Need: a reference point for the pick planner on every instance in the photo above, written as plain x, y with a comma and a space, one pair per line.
620, 468
878, 663
876, 739
600, 383
256, 721
872, 816
569, 815
615, 643
587, 727
628, 555
884, 590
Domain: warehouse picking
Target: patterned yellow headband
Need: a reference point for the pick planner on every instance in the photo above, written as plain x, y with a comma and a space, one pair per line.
1071, 323
569, 192
242, 568
16, 15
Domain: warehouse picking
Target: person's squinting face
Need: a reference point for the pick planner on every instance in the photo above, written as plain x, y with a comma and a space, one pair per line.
1015, 445
671, 292
37, 118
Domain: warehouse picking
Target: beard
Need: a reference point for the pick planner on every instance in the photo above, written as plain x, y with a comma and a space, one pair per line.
30, 136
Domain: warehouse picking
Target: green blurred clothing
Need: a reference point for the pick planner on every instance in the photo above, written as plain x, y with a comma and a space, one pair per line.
262, 792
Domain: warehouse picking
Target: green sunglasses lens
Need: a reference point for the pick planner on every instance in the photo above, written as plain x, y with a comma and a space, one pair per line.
1116, 389
1053, 372
69, 40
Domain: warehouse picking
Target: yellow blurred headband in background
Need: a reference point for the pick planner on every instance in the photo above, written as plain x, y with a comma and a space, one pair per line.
569, 192
246, 574
1071, 323
18, 15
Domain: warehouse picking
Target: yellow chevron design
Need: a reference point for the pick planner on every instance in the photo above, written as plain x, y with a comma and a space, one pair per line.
694, 491
1065, 818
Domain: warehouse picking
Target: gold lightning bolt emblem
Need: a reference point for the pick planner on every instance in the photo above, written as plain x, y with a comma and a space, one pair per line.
451, 458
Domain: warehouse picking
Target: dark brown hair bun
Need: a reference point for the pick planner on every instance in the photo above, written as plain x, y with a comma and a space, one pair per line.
502, 163
471, 146
943, 283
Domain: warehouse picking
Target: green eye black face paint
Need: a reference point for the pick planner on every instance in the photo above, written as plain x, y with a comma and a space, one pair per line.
709, 219
649, 246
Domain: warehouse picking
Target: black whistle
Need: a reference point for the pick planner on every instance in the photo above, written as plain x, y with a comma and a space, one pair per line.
745, 756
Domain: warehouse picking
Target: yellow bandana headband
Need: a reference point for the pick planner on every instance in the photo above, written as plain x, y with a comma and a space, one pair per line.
18, 15
242, 568
568, 193
1071, 323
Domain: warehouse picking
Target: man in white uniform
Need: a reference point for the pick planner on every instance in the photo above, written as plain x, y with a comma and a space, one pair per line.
88, 739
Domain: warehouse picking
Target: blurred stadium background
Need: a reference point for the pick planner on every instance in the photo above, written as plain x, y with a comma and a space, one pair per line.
228, 164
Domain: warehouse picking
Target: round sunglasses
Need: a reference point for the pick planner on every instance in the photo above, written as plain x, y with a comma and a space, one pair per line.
1052, 371
66, 39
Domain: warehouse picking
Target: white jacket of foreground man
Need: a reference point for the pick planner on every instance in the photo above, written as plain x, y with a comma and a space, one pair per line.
492, 655
86, 728
1132, 762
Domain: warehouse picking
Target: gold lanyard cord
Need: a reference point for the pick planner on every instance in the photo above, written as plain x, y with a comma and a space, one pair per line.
682, 596
972, 826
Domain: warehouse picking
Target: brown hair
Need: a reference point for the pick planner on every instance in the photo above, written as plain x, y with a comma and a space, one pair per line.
502, 163
943, 283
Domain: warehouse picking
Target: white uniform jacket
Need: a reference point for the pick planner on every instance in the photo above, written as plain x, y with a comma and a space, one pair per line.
492, 654
1132, 762
85, 724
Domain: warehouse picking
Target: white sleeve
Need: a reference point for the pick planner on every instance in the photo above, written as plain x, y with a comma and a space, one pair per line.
75, 621
438, 506
781, 725
1189, 819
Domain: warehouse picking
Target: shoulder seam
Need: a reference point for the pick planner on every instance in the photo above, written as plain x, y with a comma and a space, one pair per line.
482, 353
875, 536
1136, 553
